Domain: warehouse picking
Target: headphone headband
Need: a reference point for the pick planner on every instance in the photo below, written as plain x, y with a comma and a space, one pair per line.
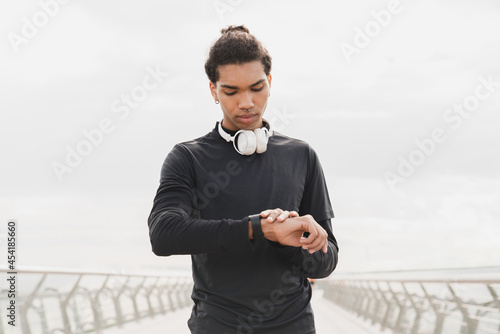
252, 141
223, 133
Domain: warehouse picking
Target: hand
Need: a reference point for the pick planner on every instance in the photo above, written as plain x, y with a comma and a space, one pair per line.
290, 232
277, 215
271, 216
318, 237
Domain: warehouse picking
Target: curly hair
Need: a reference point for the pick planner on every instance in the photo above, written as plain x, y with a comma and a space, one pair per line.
235, 46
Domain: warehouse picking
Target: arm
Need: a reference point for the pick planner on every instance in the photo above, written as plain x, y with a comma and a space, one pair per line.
316, 201
285, 229
318, 264
172, 229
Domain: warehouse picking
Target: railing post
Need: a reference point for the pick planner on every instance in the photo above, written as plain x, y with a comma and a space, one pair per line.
96, 312
496, 300
40, 310
418, 312
387, 311
160, 290
187, 292
64, 306
340, 287
171, 293
116, 301
471, 323
134, 299
366, 311
374, 304
358, 299
76, 317
148, 297
440, 316
180, 293
402, 309
24, 308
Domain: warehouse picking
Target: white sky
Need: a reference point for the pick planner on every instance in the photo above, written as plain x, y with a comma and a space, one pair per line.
359, 116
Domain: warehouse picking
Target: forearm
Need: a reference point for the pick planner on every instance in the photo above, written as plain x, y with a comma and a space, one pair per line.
316, 265
172, 231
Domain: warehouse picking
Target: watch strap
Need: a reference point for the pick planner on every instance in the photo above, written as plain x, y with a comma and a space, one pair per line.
256, 226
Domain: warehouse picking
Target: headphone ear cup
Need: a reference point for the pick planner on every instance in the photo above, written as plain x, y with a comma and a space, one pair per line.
262, 137
245, 142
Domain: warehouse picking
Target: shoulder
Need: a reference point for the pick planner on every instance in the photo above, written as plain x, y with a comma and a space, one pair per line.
181, 155
299, 149
285, 142
191, 147
197, 143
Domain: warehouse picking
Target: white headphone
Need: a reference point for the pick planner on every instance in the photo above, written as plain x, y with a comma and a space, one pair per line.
247, 142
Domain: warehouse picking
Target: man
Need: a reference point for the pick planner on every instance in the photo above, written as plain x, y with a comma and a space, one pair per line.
250, 205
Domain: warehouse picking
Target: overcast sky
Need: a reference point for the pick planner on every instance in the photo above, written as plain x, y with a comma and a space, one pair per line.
401, 100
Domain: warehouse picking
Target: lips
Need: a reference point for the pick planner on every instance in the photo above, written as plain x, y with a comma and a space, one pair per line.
247, 118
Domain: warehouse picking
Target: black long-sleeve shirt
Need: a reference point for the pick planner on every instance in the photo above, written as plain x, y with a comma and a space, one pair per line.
207, 190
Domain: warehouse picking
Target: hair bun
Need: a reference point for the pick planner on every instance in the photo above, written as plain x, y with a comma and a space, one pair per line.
235, 28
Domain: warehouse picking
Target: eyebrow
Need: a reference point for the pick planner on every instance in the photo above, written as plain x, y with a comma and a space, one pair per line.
236, 87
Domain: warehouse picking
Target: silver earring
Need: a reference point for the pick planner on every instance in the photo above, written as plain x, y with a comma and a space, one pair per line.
217, 101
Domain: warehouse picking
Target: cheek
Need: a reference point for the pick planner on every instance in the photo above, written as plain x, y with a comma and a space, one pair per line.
227, 105
262, 97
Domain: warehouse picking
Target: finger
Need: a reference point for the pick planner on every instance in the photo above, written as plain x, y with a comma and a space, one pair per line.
265, 213
316, 244
313, 235
319, 242
324, 246
294, 214
284, 215
274, 214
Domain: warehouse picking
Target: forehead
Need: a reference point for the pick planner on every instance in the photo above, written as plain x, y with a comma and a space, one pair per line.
241, 75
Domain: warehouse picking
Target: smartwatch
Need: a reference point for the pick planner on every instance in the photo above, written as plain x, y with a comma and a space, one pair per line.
256, 226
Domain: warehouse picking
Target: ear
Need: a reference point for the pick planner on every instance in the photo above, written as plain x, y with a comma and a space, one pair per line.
213, 90
269, 79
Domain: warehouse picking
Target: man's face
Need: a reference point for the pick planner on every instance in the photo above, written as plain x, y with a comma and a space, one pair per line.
243, 91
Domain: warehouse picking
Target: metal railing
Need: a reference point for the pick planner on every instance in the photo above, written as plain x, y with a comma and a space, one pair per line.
421, 306
51, 301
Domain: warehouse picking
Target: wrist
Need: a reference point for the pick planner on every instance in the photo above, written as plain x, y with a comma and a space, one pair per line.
266, 228
255, 227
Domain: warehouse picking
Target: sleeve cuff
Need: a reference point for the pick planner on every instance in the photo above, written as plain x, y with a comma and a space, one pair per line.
239, 230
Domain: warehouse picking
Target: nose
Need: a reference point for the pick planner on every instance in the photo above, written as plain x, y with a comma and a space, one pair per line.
246, 101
